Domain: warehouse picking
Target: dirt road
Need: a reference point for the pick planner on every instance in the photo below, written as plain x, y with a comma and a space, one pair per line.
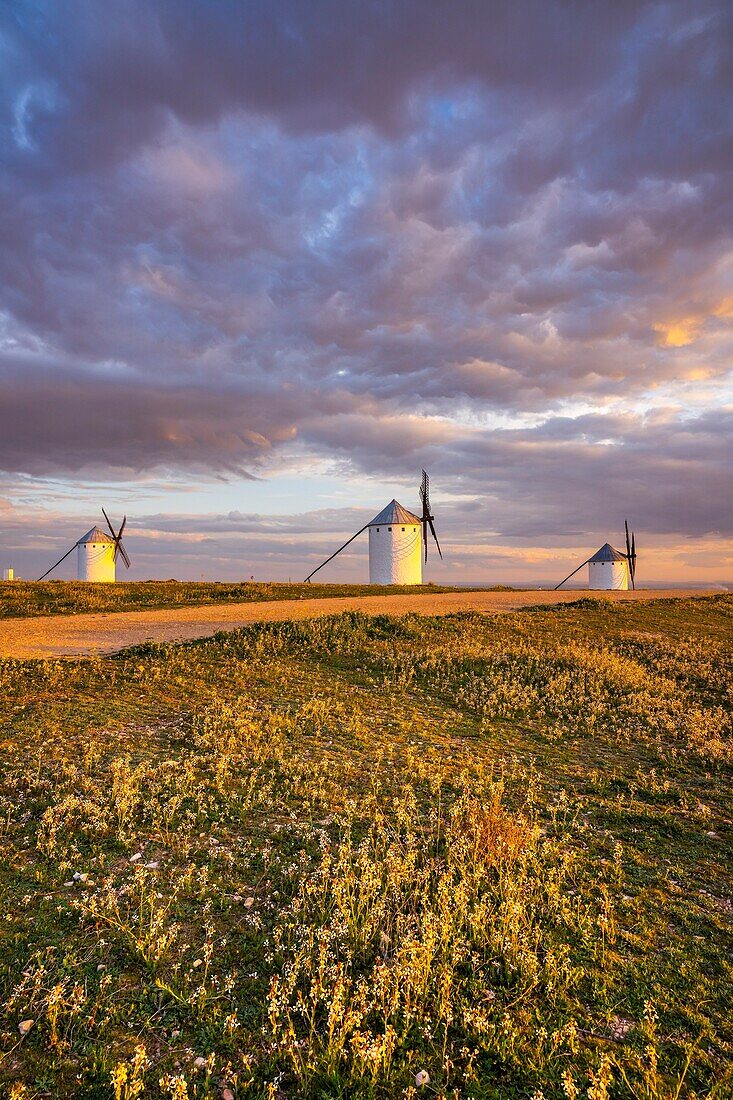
77, 635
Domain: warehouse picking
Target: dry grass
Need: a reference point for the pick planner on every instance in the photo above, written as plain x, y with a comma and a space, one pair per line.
30, 598
328, 858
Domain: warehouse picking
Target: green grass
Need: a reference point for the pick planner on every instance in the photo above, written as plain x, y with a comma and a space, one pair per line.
495, 849
26, 598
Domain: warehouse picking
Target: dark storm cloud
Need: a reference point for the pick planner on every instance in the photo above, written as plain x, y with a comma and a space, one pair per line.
105, 77
127, 425
230, 231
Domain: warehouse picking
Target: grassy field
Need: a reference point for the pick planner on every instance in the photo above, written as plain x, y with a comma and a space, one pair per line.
468, 857
26, 598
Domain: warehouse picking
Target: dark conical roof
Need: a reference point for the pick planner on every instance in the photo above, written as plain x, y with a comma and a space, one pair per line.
95, 534
608, 553
393, 513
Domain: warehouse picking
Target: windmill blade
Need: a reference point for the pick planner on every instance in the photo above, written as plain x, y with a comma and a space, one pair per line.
117, 539
432, 528
630, 553
115, 535
307, 579
109, 524
633, 560
118, 543
571, 575
123, 552
426, 517
58, 562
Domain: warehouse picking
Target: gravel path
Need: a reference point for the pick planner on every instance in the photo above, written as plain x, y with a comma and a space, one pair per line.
78, 635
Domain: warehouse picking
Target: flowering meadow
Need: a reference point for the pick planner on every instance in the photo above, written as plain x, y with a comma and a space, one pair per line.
368, 857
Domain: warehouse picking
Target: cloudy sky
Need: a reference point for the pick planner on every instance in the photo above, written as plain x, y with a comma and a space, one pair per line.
262, 261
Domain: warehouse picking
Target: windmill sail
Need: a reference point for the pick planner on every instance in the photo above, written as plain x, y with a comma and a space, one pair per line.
427, 518
630, 553
117, 539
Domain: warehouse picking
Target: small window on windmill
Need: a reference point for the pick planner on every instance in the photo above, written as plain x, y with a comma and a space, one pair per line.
403, 528
389, 528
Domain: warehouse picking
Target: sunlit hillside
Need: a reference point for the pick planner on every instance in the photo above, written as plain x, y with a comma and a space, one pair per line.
464, 857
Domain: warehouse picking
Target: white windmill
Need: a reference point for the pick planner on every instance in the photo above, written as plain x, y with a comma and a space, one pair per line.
609, 569
395, 546
397, 540
97, 552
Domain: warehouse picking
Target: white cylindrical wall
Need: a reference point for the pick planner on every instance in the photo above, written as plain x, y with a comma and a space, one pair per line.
95, 561
395, 554
608, 575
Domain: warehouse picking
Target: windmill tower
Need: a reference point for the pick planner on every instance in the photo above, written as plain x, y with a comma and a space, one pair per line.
95, 557
396, 542
395, 546
96, 554
609, 569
